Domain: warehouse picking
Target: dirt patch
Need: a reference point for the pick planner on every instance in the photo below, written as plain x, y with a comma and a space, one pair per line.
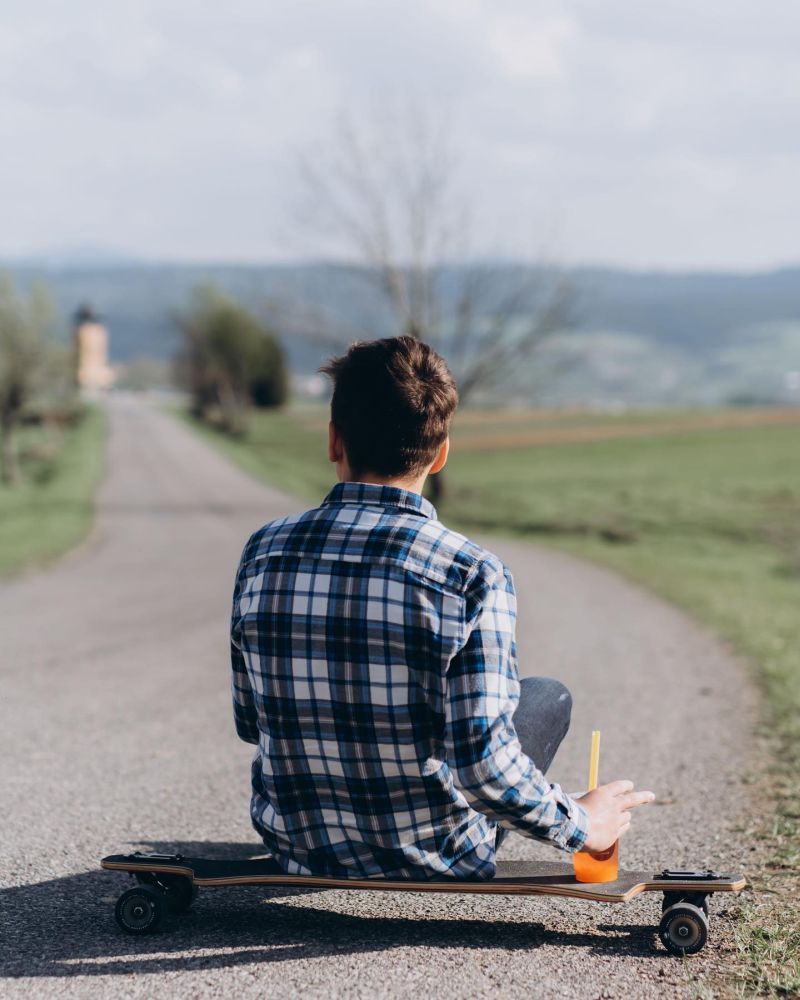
526, 437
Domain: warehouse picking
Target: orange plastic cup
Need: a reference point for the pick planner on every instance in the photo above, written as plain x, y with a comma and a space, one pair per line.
596, 866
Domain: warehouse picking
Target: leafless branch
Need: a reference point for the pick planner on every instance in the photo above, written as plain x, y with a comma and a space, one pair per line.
386, 190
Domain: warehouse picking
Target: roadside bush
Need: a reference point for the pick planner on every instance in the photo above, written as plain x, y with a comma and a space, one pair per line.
229, 361
269, 378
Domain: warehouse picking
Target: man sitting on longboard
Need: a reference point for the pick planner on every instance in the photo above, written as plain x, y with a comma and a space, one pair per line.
374, 661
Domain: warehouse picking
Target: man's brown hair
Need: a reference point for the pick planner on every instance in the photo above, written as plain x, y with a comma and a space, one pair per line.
392, 403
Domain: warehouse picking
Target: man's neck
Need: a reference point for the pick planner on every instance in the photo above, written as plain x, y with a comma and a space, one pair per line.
412, 485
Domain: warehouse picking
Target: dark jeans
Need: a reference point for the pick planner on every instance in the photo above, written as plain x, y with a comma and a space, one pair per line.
541, 720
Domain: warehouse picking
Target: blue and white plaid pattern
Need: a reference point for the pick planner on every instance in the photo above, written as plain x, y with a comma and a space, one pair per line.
374, 664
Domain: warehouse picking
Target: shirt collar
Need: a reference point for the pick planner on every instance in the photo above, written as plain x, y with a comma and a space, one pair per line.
374, 494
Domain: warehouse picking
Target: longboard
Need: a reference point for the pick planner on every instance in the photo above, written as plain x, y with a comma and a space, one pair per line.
168, 883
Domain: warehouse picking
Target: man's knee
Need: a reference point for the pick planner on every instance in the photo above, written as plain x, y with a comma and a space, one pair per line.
553, 700
542, 718
561, 704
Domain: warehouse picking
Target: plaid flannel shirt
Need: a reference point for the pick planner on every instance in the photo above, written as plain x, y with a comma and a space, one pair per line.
374, 665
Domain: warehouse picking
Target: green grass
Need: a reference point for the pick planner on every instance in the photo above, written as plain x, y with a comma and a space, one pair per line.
288, 448
52, 508
709, 519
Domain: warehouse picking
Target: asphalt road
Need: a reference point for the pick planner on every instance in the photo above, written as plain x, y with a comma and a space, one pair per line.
116, 734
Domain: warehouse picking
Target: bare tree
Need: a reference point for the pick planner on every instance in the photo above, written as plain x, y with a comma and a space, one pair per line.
383, 197
23, 364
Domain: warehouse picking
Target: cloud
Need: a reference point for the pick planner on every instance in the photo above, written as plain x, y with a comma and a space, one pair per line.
532, 51
650, 135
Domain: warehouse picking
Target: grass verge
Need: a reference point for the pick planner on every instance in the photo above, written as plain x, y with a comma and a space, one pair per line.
52, 508
709, 517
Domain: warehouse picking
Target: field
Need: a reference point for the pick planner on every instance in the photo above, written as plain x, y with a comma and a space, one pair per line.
703, 507
52, 508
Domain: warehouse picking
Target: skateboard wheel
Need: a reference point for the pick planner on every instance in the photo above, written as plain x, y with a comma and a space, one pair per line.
683, 929
140, 910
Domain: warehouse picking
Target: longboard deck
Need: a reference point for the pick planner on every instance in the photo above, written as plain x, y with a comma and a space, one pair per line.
546, 878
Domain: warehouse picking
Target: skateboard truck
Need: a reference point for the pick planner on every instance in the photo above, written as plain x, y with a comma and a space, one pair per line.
675, 875
684, 915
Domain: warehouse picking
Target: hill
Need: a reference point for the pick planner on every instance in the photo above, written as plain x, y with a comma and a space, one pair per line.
638, 337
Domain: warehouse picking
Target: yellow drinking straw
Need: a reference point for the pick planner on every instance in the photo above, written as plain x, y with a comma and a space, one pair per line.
594, 760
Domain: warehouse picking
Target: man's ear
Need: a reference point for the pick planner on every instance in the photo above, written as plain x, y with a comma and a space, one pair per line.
441, 459
335, 451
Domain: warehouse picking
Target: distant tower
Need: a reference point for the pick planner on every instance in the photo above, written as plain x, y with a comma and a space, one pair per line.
93, 371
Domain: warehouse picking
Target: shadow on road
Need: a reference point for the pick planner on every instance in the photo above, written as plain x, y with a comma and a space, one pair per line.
65, 927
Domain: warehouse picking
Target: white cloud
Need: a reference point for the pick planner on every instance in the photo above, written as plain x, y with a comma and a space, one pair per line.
639, 133
536, 50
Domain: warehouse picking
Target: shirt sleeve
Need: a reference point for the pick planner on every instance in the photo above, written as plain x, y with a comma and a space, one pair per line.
488, 764
244, 712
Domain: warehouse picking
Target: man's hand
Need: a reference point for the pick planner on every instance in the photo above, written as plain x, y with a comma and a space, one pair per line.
609, 809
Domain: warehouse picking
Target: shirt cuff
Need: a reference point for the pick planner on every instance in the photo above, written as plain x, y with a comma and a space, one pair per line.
571, 831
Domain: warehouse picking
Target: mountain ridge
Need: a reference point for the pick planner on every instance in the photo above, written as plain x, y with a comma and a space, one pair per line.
719, 321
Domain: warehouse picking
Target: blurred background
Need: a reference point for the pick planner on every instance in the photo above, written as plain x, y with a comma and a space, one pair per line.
590, 209
591, 212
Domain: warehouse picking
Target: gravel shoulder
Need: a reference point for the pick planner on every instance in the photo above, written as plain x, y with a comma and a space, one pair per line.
116, 734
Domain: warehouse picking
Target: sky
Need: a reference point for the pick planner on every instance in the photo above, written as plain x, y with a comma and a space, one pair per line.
623, 133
